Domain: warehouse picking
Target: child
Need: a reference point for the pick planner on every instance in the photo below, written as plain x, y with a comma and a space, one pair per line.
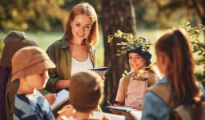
86, 92
132, 87
174, 59
30, 66
14, 41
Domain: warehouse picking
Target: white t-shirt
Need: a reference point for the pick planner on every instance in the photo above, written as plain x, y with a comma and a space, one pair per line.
77, 66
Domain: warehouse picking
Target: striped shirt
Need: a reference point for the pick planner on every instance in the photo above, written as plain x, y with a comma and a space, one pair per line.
32, 107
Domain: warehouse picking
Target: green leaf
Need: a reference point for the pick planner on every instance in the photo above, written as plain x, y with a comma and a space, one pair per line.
110, 39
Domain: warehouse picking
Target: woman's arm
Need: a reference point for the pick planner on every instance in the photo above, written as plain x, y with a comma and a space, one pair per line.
61, 84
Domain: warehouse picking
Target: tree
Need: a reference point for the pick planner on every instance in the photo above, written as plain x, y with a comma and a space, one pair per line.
31, 15
188, 8
116, 14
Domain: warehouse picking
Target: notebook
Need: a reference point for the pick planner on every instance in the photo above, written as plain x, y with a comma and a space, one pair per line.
62, 97
101, 71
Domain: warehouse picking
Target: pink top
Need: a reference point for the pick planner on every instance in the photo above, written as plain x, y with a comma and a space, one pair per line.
135, 92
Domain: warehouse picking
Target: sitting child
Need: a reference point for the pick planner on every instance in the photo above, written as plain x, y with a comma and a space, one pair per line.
30, 66
14, 41
86, 90
133, 86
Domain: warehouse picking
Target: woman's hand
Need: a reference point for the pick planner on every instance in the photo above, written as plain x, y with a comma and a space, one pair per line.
50, 97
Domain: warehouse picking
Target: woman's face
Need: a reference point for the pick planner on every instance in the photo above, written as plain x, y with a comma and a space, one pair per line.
81, 27
137, 62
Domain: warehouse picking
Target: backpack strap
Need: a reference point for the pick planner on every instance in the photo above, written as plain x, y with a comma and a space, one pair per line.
151, 79
163, 91
183, 111
125, 82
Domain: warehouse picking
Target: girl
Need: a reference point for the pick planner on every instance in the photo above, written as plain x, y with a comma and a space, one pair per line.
174, 59
133, 86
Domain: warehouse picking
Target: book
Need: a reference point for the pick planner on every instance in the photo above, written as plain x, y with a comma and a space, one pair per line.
101, 71
111, 116
62, 97
121, 108
136, 114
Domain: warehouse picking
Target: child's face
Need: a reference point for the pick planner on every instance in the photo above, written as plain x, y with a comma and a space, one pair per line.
137, 62
38, 81
81, 27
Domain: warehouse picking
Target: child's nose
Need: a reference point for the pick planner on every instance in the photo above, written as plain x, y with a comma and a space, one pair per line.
46, 75
82, 29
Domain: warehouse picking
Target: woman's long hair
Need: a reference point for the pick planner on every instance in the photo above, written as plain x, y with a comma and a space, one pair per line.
83, 9
177, 47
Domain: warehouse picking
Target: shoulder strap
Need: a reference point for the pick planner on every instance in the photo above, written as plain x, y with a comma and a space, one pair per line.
126, 80
151, 78
163, 91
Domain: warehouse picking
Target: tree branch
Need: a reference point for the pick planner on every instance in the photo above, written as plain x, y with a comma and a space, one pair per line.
197, 8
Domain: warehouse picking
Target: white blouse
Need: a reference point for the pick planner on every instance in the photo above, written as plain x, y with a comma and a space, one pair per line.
77, 66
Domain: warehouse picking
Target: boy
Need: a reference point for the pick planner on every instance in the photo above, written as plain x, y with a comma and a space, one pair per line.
30, 66
86, 91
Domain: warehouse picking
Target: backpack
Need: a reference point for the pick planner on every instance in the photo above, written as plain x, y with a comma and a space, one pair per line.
181, 112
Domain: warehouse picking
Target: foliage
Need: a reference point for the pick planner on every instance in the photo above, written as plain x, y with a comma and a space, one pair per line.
131, 44
35, 14
193, 32
1, 47
198, 47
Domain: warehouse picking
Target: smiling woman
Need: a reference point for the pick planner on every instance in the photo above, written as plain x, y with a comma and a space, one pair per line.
75, 51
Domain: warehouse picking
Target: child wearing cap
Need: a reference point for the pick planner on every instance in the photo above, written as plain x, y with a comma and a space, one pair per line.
14, 41
132, 87
86, 90
30, 66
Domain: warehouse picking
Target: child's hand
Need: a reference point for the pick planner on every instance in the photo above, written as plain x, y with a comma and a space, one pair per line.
105, 117
137, 108
50, 97
66, 112
114, 111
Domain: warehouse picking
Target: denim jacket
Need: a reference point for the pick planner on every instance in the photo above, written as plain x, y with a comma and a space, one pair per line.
154, 108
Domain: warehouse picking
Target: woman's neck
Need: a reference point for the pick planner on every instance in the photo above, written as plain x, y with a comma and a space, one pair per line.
83, 115
76, 42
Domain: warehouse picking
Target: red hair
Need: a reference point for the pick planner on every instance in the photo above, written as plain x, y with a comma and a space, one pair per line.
177, 47
83, 9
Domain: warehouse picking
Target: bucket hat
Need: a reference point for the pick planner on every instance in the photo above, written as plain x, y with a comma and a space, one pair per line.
144, 54
14, 41
30, 60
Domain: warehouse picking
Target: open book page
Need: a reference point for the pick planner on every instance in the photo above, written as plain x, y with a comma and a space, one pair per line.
121, 108
136, 114
62, 96
101, 71
111, 116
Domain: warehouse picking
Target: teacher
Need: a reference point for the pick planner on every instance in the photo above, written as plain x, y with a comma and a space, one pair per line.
75, 51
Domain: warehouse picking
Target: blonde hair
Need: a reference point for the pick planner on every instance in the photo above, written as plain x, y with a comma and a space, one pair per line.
177, 47
83, 9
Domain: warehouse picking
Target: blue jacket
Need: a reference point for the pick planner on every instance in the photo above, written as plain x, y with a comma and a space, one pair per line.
154, 108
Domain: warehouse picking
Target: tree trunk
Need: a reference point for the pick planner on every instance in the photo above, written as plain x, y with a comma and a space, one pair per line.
116, 14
